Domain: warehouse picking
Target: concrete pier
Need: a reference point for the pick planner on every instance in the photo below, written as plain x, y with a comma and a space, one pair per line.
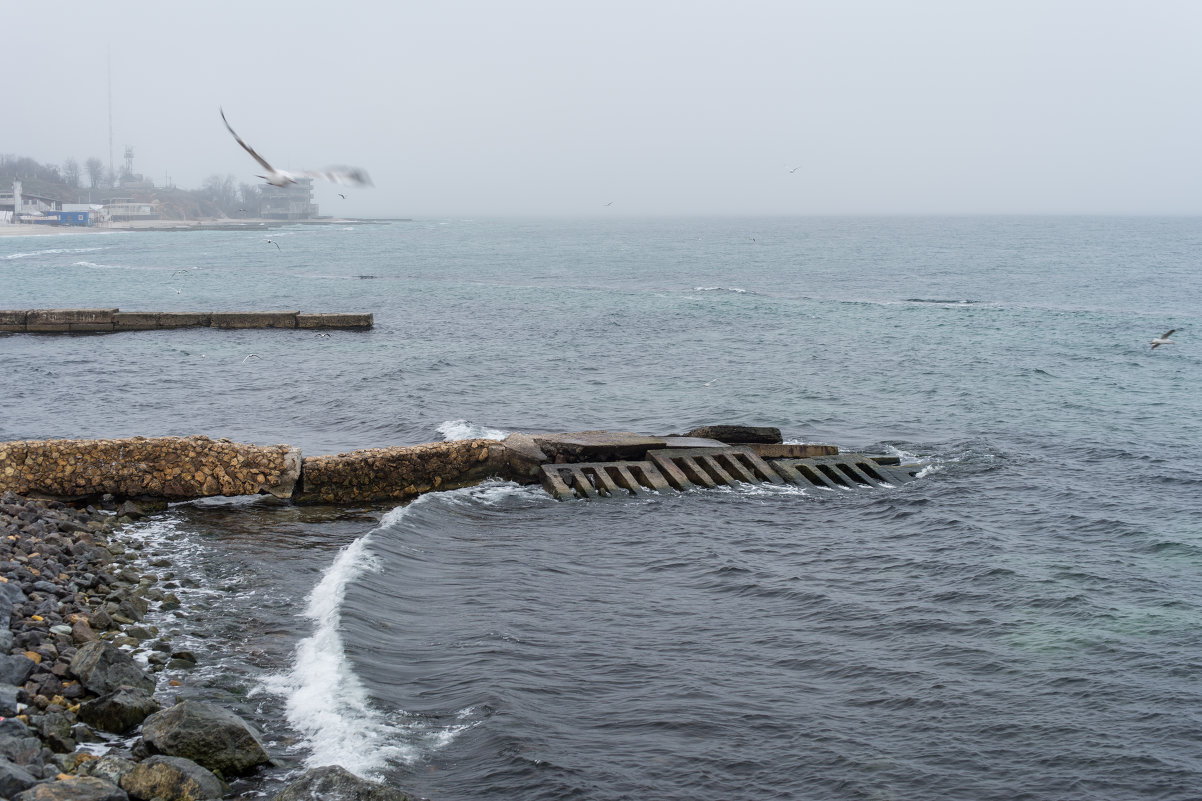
72, 321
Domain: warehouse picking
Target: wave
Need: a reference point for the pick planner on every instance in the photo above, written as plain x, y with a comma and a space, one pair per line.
453, 430
941, 300
326, 701
49, 252
736, 290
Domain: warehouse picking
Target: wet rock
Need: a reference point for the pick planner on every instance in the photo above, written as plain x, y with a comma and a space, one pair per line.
14, 779
207, 734
120, 710
336, 783
109, 767
55, 730
77, 788
8, 699
172, 779
102, 668
15, 669
18, 743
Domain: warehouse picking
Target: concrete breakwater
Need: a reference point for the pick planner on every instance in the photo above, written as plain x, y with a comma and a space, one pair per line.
67, 321
183, 468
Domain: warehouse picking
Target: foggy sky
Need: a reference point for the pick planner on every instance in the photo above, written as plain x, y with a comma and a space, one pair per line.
475, 107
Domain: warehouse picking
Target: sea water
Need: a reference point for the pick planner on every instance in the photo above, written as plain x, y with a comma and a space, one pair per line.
1021, 622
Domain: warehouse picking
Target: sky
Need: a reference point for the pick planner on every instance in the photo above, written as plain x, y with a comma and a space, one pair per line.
632, 107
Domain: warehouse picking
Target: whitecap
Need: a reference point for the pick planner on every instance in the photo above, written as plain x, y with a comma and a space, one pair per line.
49, 252
454, 430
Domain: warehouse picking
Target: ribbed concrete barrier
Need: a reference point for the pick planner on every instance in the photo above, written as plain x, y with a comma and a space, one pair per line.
172, 468
66, 321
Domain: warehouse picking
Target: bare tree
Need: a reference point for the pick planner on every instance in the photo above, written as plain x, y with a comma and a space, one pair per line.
71, 173
95, 168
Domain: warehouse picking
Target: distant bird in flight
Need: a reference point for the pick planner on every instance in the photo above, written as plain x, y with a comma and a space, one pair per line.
1163, 339
273, 242
342, 196
795, 169
251, 355
610, 203
281, 178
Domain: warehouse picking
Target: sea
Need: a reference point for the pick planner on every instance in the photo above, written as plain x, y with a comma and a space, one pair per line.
1024, 621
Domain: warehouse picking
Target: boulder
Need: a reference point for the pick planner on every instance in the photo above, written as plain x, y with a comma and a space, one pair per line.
739, 434
8, 700
18, 743
76, 788
119, 711
102, 667
14, 778
336, 783
172, 779
15, 669
207, 734
109, 767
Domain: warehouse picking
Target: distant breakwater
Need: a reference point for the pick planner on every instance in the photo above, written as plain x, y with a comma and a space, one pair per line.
91, 321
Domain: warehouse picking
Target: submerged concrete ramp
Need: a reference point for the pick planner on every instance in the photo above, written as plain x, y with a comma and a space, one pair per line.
691, 468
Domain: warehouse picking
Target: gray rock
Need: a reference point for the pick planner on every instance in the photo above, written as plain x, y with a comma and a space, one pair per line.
336, 783
172, 779
18, 744
15, 669
109, 767
102, 668
119, 711
8, 700
55, 728
207, 734
14, 779
79, 788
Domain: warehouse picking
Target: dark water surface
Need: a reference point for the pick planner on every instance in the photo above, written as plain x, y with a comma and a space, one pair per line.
1023, 622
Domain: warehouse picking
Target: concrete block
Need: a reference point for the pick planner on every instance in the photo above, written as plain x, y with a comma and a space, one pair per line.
808, 451
64, 319
183, 319
135, 321
345, 321
738, 434
272, 319
13, 320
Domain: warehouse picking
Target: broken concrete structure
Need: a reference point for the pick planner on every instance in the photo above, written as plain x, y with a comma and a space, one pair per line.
70, 321
581, 464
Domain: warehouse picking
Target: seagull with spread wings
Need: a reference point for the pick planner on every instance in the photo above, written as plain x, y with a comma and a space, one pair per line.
1163, 339
339, 175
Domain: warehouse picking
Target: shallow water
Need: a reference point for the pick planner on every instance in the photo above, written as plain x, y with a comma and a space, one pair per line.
1020, 623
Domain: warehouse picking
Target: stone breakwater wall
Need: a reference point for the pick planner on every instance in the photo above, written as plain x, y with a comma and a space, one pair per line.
171, 468
391, 474
67, 321
180, 468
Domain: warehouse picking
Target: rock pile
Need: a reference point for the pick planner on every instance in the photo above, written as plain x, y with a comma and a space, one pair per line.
72, 606
172, 468
393, 474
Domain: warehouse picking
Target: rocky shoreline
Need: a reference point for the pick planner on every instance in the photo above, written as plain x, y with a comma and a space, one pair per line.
84, 714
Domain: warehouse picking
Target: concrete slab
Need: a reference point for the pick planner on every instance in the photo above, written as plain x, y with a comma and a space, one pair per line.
135, 321
596, 446
184, 319
343, 321
808, 451
64, 319
272, 319
13, 319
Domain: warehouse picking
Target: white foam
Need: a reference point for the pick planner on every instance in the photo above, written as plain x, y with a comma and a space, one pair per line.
734, 289
50, 251
453, 430
328, 703
326, 700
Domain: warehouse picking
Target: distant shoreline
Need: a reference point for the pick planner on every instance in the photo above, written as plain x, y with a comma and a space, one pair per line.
253, 224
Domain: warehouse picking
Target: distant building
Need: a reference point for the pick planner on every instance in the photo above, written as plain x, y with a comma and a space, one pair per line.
125, 210
293, 202
19, 203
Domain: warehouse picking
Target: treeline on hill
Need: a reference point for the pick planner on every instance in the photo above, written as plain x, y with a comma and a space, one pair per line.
94, 183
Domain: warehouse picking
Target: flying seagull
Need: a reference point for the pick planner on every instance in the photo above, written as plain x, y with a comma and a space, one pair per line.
1163, 339
281, 178
795, 169
342, 196
250, 355
273, 242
